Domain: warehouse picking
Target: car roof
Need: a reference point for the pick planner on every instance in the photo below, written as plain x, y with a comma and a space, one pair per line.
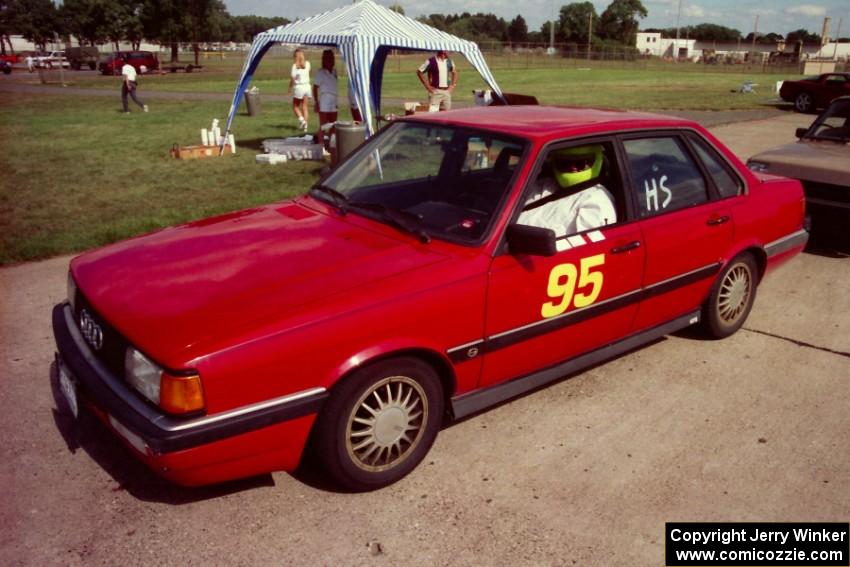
545, 122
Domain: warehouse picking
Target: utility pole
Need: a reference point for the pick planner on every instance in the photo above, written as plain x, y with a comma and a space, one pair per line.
552, 31
589, 33
755, 33
676, 45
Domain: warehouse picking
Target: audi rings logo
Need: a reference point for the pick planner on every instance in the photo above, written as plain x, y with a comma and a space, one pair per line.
91, 330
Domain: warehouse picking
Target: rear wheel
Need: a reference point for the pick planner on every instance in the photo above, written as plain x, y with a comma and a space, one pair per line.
804, 102
731, 297
379, 423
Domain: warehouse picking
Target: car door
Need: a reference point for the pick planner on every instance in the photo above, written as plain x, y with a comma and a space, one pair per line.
545, 309
834, 86
686, 231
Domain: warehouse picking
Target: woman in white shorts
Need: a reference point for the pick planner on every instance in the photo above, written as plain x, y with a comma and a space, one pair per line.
299, 88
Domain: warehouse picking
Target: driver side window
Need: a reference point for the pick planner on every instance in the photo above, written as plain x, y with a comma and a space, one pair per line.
576, 190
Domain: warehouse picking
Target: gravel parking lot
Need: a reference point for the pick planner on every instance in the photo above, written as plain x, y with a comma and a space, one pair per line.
585, 472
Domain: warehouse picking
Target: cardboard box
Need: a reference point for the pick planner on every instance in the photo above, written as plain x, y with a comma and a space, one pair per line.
414, 107
197, 152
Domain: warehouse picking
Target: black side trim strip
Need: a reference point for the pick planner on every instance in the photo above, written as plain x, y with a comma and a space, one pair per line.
465, 352
680, 281
161, 432
786, 243
508, 338
478, 400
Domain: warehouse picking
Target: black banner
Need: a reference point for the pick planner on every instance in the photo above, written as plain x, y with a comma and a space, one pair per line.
758, 544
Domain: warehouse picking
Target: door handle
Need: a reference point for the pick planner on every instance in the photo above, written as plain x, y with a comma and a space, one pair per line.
714, 221
626, 247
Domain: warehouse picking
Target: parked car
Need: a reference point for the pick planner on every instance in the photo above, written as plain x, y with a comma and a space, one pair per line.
821, 160
85, 56
810, 93
10, 58
51, 60
403, 290
142, 61
5, 67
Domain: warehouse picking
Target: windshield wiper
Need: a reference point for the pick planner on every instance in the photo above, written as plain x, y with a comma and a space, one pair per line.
407, 221
340, 201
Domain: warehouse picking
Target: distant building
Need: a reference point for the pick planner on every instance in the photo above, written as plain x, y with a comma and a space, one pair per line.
840, 51
651, 43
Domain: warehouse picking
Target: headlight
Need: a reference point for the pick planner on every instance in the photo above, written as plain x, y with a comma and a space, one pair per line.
758, 166
142, 374
72, 292
174, 394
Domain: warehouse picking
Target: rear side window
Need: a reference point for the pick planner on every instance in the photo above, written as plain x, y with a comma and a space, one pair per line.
664, 176
726, 183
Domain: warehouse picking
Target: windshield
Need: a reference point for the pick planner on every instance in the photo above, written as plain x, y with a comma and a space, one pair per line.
833, 124
431, 180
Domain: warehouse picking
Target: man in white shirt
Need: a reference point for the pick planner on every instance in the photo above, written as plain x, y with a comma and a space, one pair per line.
440, 82
129, 85
570, 201
325, 94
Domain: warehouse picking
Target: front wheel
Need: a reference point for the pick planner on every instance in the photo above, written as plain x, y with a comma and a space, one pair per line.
379, 423
731, 297
804, 102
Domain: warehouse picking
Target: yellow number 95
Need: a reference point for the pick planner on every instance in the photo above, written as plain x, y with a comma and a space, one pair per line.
563, 280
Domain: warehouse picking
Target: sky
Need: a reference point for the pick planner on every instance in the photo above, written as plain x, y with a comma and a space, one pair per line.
779, 16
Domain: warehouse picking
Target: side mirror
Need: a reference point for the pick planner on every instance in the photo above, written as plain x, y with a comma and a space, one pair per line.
800, 132
531, 240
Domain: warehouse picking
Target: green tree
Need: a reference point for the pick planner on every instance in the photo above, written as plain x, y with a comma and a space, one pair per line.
518, 30
713, 32
252, 25
9, 22
397, 8
39, 22
619, 21
573, 22
167, 22
802, 35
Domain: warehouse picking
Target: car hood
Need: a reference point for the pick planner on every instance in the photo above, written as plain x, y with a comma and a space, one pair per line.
824, 162
178, 288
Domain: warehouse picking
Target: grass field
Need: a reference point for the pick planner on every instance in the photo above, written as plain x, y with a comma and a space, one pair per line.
75, 173
641, 85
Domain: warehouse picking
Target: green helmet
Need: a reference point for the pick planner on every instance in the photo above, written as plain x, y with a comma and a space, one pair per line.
577, 165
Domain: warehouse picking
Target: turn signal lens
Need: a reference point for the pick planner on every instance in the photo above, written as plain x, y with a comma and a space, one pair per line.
180, 394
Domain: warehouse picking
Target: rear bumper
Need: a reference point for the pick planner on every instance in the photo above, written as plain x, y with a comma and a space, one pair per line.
249, 440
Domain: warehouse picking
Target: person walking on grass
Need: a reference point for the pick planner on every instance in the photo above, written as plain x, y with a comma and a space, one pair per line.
128, 86
299, 88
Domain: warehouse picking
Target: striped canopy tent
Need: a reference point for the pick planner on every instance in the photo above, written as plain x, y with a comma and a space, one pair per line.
364, 33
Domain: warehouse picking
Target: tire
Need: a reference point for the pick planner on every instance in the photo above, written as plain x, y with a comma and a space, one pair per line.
731, 298
92, 66
804, 102
76, 66
379, 423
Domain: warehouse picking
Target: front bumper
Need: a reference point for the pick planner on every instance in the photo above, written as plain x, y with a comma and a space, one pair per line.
265, 436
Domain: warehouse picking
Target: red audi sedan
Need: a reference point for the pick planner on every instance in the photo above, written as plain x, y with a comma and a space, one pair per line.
454, 261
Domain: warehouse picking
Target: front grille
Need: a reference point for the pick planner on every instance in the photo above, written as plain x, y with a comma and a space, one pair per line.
111, 353
827, 192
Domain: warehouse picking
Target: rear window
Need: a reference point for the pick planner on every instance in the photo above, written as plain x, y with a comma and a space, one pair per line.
665, 177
